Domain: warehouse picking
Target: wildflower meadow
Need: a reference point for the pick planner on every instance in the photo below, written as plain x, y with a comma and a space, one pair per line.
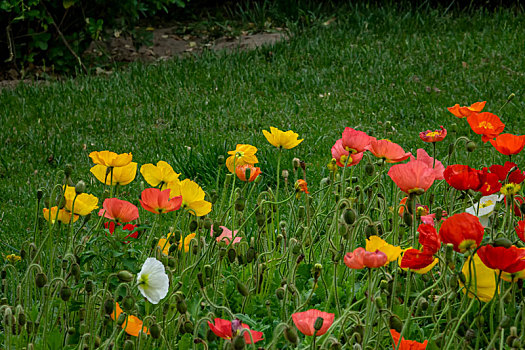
346, 235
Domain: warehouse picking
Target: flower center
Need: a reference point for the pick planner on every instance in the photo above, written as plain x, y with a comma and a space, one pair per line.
511, 188
486, 125
487, 204
467, 244
432, 133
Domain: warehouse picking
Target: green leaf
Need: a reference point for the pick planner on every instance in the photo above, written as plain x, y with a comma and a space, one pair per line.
186, 341
68, 3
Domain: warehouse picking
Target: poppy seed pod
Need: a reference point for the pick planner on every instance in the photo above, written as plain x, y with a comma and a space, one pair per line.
290, 334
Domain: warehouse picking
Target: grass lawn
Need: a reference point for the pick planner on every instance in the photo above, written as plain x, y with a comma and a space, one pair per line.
369, 66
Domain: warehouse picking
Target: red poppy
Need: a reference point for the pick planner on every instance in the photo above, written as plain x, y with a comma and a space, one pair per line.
228, 329
340, 154
518, 201
111, 226
463, 230
486, 124
406, 344
416, 259
305, 321
520, 230
360, 258
119, 210
412, 177
389, 151
463, 177
355, 141
502, 171
462, 112
510, 260
429, 238
490, 184
158, 202
433, 136
247, 169
508, 144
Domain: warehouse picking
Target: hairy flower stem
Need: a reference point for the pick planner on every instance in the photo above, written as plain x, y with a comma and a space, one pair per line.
368, 321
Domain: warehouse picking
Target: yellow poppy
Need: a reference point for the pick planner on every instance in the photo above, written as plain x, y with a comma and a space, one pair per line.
63, 215
165, 245
110, 159
376, 243
286, 139
482, 282
243, 154
132, 325
84, 203
13, 258
121, 175
192, 196
162, 173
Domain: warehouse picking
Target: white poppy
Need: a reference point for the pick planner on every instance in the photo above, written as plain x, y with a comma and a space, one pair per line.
486, 208
153, 281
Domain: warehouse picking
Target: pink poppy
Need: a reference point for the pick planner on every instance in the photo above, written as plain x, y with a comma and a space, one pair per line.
158, 202
355, 141
305, 321
226, 235
360, 258
423, 156
391, 152
119, 210
340, 154
412, 177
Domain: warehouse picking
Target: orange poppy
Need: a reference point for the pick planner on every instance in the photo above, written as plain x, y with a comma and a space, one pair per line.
486, 124
247, 172
406, 344
508, 144
389, 151
132, 325
301, 186
462, 112
433, 136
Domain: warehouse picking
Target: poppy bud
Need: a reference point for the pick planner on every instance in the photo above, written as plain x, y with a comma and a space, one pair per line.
240, 204
80, 187
109, 306
349, 216
155, 331
40, 279
371, 230
182, 307
207, 271
208, 223
379, 303
357, 346
82, 314
439, 213
511, 97
505, 322
39, 194
325, 182
121, 319
407, 218
451, 149
285, 174
422, 304
296, 163
220, 160
89, 286
21, 316
125, 276
129, 345
318, 323
193, 226
75, 271
449, 253
68, 170
3, 274
279, 292
232, 254
394, 322
200, 278
301, 212
471, 146
242, 289
318, 268
238, 343
188, 327
250, 255
128, 303
502, 242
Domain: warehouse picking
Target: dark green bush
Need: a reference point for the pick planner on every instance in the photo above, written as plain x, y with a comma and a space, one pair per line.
55, 33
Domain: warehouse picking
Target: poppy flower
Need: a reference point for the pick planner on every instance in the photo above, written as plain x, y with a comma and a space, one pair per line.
389, 151
158, 202
247, 172
360, 258
374, 243
226, 235
462, 112
480, 280
111, 226
403, 344
119, 210
228, 329
110, 159
243, 154
510, 189
486, 124
416, 259
510, 260
165, 245
63, 215
412, 177
115, 175
518, 201
285, 139
192, 197
152, 280
484, 208
520, 230
463, 230
354, 141
13, 258
429, 238
438, 167
340, 154
301, 186
433, 136
160, 174
505, 174
132, 325
490, 183
305, 321
508, 144
83, 203
463, 177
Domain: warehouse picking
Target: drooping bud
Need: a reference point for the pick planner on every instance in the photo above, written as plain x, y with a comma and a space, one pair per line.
296, 163
394, 322
238, 343
349, 216
193, 226
39, 194
371, 230
502, 242
80, 187
290, 334
471, 146
128, 303
109, 306
240, 203
369, 169
220, 160
40, 279
318, 268
129, 345
155, 330
242, 289
232, 254
279, 292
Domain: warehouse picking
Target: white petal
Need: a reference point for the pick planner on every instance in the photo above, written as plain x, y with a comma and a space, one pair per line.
155, 281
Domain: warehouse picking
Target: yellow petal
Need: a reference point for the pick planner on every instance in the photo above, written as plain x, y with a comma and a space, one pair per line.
120, 175
376, 243
481, 278
108, 158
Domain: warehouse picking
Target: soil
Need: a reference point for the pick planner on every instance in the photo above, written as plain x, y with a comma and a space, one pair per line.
165, 44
